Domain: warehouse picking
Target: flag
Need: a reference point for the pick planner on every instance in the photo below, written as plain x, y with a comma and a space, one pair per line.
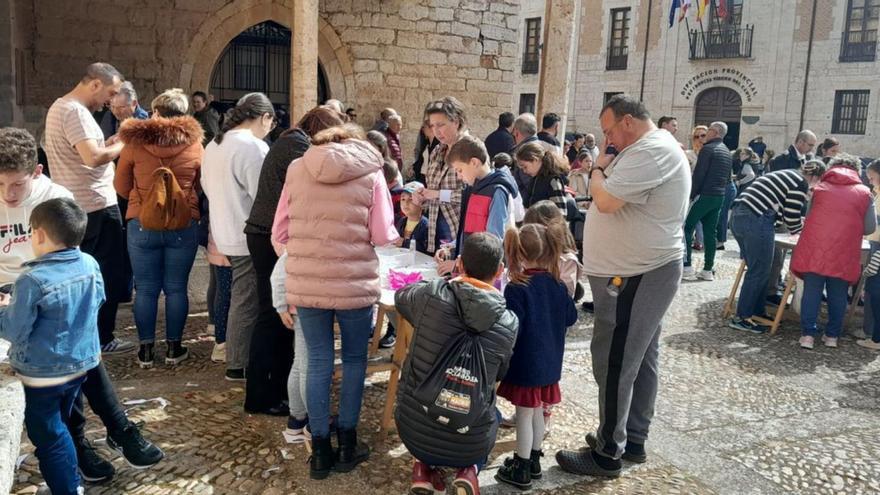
685, 4
702, 6
721, 9
672, 9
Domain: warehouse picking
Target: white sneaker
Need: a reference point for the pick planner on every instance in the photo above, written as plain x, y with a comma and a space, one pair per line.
43, 489
688, 273
807, 342
117, 346
869, 344
829, 341
708, 275
858, 333
218, 355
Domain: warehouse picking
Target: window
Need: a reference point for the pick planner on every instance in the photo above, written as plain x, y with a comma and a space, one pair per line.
859, 42
850, 112
531, 55
617, 48
730, 17
527, 103
609, 95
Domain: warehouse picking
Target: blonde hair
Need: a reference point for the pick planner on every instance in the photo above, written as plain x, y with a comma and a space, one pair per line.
171, 103
338, 134
535, 244
552, 164
696, 145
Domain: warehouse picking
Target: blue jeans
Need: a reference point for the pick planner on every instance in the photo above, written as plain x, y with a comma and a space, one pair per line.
724, 217
46, 412
317, 326
161, 262
754, 234
836, 289
221, 300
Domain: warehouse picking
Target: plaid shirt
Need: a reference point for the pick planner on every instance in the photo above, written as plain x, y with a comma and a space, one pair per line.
440, 176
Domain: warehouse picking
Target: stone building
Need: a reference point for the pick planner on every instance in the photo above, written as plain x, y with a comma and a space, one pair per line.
766, 68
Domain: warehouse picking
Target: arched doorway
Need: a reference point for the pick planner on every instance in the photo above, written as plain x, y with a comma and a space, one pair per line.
258, 59
720, 104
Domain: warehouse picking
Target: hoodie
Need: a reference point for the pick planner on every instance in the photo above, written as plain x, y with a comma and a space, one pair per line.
15, 233
485, 207
339, 209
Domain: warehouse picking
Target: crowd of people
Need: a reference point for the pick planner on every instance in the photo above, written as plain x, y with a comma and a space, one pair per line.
290, 218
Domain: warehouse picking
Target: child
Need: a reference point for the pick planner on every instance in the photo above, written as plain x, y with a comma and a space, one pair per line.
297, 423
413, 226
539, 300
392, 178
52, 323
219, 298
547, 214
443, 310
486, 204
549, 172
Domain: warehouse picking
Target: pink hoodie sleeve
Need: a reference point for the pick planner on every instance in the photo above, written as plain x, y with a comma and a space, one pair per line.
281, 222
382, 231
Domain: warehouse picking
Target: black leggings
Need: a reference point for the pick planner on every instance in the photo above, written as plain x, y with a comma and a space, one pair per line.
102, 399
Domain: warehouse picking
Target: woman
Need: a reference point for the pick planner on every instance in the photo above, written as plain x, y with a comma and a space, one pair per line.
749, 161
829, 148
442, 193
425, 141
698, 138
548, 171
339, 209
230, 178
579, 177
828, 253
271, 352
161, 260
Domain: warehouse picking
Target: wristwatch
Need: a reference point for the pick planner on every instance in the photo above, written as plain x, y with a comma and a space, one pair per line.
600, 169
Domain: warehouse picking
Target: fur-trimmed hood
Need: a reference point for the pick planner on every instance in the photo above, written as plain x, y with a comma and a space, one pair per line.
160, 136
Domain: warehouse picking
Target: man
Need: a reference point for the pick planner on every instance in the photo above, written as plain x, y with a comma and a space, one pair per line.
710, 181
381, 125
82, 162
797, 154
501, 140
22, 187
668, 123
575, 148
525, 130
207, 116
632, 254
549, 131
590, 145
123, 106
392, 134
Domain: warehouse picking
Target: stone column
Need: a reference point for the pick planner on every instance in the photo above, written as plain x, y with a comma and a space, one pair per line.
558, 58
303, 58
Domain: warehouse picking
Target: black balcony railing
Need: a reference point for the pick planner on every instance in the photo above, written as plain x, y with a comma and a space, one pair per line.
721, 43
530, 63
617, 57
859, 46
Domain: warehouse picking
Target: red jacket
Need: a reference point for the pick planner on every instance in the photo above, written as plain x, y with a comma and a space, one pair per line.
831, 242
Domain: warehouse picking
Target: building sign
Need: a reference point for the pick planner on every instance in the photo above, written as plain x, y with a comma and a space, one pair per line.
712, 76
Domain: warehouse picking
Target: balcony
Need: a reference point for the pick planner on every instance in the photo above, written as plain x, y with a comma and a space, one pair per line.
721, 43
859, 46
617, 57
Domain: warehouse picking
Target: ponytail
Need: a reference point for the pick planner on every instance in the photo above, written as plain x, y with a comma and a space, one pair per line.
552, 163
533, 244
251, 106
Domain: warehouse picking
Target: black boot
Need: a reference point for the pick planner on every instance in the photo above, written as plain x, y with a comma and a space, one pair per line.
176, 353
321, 462
146, 353
351, 453
535, 464
516, 472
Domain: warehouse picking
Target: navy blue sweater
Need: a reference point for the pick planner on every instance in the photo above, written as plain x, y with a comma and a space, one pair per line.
545, 312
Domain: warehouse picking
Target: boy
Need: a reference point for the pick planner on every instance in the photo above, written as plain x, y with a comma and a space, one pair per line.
392, 178
22, 187
444, 309
487, 201
51, 322
413, 227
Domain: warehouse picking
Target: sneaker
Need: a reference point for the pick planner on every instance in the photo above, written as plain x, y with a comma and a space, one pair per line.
175, 353
117, 346
688, 273
146, 355
829, 341
138, 452
43, 489
588, 307
630, 453
297, 430
466, 481
707, 275
581, 462
719, 246
92, 467
807, 342
388, 341
858, 333
236, 375
869, 344
218, 355
746, 325
426, 480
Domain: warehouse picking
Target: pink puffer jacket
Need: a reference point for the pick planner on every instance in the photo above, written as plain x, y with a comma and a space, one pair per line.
339, 209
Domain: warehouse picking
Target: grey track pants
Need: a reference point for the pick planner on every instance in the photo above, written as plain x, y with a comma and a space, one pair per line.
244, 309
625, 350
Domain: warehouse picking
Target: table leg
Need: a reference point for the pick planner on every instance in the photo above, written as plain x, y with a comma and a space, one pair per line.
728, 307
789, 285
857, 295
404, 334
377, 331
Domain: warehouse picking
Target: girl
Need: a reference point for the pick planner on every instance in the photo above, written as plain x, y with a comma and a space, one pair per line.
539, 299
547, 214
548, 171
579, 178
871, 334
749, 162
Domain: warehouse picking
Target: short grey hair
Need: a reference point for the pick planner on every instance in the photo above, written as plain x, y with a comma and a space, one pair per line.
127, 90
805, 134
395, 118
526, 124
720, 128
846, 160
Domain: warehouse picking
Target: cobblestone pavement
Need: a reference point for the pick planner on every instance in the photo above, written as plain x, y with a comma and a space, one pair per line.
736, 414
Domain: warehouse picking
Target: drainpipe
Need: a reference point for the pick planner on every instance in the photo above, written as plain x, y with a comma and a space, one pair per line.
807, 69
645, 54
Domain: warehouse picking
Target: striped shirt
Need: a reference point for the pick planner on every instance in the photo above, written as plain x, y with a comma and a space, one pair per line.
784, 190
69, 122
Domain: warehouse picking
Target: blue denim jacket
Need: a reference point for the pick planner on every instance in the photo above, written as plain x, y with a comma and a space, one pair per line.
52, 321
